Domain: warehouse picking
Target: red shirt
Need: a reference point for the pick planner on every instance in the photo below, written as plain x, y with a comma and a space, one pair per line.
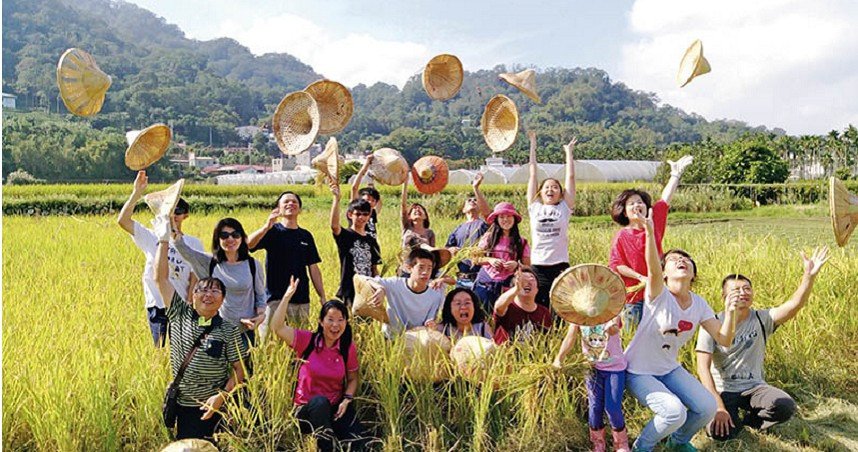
324, 373
518, 324
629, 246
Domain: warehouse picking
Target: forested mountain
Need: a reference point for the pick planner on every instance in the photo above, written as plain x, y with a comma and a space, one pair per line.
207, 88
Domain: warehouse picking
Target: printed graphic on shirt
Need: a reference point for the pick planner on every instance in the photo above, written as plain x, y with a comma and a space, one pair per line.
681, 327
596, 339
548, 226
362, 256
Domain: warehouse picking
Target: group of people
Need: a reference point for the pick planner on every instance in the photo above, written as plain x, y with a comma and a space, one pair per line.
216, 306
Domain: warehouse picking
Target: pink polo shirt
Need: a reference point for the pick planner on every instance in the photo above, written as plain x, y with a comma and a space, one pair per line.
324, 373
629, 245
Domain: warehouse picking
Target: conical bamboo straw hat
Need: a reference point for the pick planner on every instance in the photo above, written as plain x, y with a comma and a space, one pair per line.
361, 306
471, 353
443, 254
388, 167
164, 202
843, 207
335, 105
693, 64
525, 81
588, 294
190, 445
82, 83
426, 351
146, 146
430, 174
442, 77
500, 123
329, 161
296, 122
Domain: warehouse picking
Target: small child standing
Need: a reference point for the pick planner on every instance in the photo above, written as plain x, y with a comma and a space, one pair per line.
606, 380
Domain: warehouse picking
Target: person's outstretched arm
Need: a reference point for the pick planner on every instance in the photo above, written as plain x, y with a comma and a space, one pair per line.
162, 266
355, 188
403, 206
723, 422
124, 218
482, 204
278, 320
655, 275
789, 309
566, 345
256, 236
508, 296
532, 183
569, 194
676, 170
335, 210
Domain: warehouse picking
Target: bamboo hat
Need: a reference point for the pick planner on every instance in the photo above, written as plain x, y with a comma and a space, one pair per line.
82, 83
361, 306
430, 174
471, 354
190, 445
693, 64
388, 167
329, 161
146, 146
425, 353
442, 76
296, 122
588, 294
335, 105
164, 202
843, 207
500, 123
443, 254
525, 81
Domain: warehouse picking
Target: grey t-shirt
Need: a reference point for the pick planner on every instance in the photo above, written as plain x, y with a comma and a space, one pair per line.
408, 309
740, 367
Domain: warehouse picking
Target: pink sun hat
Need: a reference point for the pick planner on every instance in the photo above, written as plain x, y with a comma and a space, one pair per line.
503, 208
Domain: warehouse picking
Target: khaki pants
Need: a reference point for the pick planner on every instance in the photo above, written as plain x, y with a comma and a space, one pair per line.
296, 315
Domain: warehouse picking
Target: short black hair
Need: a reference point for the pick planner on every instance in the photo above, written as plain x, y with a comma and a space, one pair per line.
420, 253
289, 192
208, 282
735, 277
447, 317
360, 205
183, 206
681, 253
370, 191
618, 209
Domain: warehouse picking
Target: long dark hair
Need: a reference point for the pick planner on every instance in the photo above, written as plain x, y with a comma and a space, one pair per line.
317, 340
219, 254
425, 212
447, 311
495, 233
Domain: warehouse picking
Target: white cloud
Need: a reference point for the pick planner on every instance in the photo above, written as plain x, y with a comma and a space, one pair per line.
780, 63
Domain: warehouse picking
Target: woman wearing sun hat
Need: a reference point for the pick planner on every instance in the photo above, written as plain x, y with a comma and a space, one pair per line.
505, 251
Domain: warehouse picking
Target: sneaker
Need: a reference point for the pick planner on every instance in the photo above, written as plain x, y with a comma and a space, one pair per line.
677, 447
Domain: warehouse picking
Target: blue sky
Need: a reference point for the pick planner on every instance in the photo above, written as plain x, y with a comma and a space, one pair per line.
782, 63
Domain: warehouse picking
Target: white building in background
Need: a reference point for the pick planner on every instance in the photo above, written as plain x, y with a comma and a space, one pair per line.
9, 101
195, 161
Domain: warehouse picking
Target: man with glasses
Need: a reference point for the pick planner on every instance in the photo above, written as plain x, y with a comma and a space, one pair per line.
181, 276
358, 250
475, 209
290, 252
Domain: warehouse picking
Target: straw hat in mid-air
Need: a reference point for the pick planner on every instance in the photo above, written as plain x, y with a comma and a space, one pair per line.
146, 146
296, 122
329, 161
335, 105
443, 76
164, 202
81, 82
843, 207
525, 81
693, 64
388, 167
430, 174
500, 123
588, 294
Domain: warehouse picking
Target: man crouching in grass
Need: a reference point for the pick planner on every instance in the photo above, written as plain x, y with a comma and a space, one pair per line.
735, 375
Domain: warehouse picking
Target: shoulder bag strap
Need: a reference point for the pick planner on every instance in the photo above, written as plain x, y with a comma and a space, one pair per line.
762, 327
187, 361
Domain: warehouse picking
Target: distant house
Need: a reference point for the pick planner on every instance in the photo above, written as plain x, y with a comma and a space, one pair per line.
304, 158
218, 170
247, 132
9, 100
196, 161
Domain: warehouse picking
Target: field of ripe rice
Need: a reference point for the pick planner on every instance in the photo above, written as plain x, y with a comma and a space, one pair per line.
80, 373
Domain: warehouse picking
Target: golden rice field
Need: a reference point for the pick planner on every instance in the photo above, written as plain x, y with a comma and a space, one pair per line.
80, 374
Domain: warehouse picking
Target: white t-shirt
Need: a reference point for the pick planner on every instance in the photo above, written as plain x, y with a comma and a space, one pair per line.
664, 329
180, 270
549, 227
408, 309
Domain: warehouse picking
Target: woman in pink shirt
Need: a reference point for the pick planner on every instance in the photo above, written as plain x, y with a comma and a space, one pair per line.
629, 210
505, 251
327, 376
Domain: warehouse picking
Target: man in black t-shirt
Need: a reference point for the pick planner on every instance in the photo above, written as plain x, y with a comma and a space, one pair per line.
290, 251
358, 250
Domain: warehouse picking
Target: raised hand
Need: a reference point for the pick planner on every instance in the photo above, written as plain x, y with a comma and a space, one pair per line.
571, 146
813, 264
648, 223
140, 182
478, 179
335, 189
162, 228
678, 167
273, 216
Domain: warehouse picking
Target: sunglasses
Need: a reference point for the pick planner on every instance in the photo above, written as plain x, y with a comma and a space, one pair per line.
223, 235
358, 213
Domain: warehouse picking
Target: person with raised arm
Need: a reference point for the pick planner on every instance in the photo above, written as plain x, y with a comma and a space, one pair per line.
734, 375
181, 276
206, 352
550, 207
517, 315
290, 250
327, 376
369, 194
475, 209
671, 314
358, 251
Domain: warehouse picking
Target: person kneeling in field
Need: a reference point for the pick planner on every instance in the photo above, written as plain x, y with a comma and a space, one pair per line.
517, 316
462, 315
734, 374
206, 351
327, 376
412, 301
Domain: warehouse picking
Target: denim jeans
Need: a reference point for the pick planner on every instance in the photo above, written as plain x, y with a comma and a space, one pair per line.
605, 394
158, 325
489, 291
681, 404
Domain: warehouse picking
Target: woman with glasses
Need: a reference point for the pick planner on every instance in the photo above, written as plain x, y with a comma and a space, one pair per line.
230, 261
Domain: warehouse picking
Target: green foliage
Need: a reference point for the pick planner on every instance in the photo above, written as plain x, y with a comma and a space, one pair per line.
754, 164
21, 177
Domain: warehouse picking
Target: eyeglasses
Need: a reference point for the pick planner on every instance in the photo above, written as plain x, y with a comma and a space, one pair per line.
208, 291
471, 200
223, 235
360, 214
676, 258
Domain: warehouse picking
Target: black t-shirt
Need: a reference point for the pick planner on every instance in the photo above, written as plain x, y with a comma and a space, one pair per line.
358, 253
289, 253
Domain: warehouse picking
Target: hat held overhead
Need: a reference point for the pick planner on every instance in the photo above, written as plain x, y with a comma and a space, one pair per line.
843, 207
525, 81
81, 82
329, 161
693, 64
146, 146
296, 122
443, 76
162, 203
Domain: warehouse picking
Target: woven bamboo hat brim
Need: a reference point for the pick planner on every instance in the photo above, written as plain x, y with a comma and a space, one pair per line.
430, 174
426, 351
335, 105
361, 306
471, 353
388, 167
146, 146
442, 77
164, 202
329, 161
82, 84
190, 445
693, 64
843, 207
588, 294
525, 81
500, 123
444, 255
296, 123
